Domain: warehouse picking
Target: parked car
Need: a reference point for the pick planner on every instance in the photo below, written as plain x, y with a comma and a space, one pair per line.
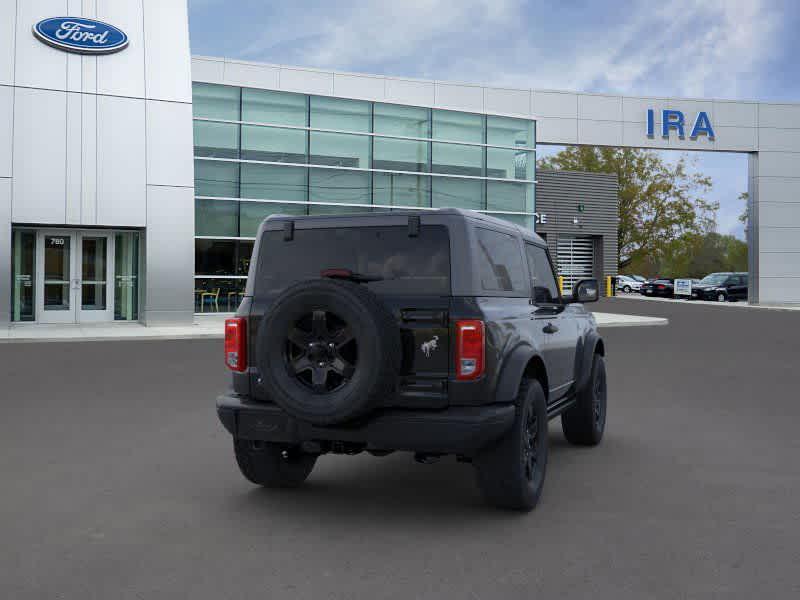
438, 332
628, 284
722, 287
663, 288
639, 278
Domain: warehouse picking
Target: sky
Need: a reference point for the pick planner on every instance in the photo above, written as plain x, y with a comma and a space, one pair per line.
732, 49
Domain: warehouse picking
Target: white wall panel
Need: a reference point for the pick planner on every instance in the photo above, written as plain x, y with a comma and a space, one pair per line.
5, 250
779, 290
208, 70
781, 140
601, 133
778, 164
408, 91
779, 189
121, 169
166, 36
464, 97
307, 81
8, 23
122, 73
735, 114
555, 104
779, 115
358, 86
557, 131
599, 108
779, 239
250, 75
39, 156
169, 144
89, 159
507, 102
779, 264
634, 109
36, 64
6, 128
169, 255
74, 159
738, 139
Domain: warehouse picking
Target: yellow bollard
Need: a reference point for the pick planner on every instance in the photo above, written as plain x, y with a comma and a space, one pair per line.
561, 284
608, 286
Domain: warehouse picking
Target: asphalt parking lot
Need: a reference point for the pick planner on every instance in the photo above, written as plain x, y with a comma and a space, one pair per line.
118, 482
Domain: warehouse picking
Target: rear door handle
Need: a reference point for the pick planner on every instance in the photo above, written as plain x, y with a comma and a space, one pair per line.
550, 328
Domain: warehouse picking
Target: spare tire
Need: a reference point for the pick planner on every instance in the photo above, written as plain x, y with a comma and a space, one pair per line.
328, 351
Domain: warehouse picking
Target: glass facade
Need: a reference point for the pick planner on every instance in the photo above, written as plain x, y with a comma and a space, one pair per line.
261, 152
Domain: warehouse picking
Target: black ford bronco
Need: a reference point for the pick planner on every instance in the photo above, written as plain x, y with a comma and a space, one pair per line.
436, 332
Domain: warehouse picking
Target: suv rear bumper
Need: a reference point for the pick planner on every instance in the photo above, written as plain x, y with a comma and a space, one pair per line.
456, 430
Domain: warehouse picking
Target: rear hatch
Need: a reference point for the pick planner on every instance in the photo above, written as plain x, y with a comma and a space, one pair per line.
409, 269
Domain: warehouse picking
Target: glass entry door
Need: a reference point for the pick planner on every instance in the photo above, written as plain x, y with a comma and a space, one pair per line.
74, 273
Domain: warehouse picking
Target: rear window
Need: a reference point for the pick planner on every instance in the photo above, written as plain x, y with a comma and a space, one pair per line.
404, 265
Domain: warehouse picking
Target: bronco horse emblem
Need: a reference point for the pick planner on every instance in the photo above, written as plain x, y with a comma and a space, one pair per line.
430, 346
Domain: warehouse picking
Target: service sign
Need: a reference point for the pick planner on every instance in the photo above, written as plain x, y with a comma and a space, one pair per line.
84, 36
683, 287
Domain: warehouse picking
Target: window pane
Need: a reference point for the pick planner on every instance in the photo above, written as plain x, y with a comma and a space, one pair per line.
273, 182
525, 221
408, 121
218, 295
244, 250
516, 197
220, 140
251, 214
339, 150
509, 164
457, 126
334, 185
400, 155
273, 144
214, 257
457, 193
457, 159
500, 262
216, 217
23, 252
545, 289
506, 131
212, 178
281, 108
126, 276
215, 101
336, 113
401, 190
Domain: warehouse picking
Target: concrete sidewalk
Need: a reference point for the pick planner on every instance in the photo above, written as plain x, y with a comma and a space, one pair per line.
203, 327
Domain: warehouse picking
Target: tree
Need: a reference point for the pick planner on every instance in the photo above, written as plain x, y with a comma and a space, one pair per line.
659, 202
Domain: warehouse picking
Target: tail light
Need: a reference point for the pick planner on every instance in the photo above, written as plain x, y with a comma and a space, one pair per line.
470, 352
236, 344
661, 287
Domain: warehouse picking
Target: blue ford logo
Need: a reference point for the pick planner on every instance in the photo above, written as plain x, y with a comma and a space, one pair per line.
76, 34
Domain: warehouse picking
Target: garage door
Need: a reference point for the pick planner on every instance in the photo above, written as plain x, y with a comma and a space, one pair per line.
575, 260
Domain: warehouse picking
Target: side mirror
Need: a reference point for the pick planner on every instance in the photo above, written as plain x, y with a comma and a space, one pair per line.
586, 290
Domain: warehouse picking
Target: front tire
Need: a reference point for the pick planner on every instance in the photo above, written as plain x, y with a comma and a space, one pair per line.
585, 423
511, 472
721, 297
272, 465
627, 289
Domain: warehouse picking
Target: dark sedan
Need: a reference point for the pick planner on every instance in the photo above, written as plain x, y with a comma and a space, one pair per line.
722, 287
662, 288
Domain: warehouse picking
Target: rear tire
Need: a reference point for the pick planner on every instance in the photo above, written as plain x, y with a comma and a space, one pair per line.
585, 422
511, 472
272, 465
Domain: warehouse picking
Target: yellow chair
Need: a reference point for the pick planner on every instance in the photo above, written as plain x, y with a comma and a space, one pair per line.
213, 296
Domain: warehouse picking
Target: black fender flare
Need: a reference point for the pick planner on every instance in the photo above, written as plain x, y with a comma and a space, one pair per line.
513, 371
592, 344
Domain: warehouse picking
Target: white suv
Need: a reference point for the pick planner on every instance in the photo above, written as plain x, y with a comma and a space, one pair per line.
627, 284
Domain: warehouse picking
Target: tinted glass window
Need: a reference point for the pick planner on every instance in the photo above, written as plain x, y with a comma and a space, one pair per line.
500, 262
401, 264
545, 289
283, 108
215, 101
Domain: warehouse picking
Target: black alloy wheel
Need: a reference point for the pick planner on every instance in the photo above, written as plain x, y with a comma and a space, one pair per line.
321, 351
530, 445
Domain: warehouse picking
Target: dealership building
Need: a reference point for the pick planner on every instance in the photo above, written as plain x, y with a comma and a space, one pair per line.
133, 176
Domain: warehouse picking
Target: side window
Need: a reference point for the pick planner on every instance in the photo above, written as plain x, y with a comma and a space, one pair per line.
545, 288
500, 263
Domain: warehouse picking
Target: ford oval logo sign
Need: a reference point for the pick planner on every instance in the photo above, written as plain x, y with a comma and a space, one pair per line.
76, 34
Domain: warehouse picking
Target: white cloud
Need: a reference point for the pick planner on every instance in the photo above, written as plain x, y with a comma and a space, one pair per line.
687, 47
